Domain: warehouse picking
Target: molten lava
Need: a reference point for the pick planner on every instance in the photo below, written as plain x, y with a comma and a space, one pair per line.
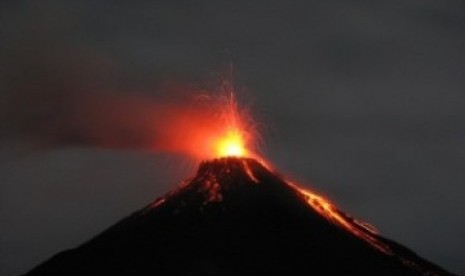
328, 210
229, 133
231, 144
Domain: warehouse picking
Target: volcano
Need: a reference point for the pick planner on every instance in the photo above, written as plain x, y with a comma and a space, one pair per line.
238, 217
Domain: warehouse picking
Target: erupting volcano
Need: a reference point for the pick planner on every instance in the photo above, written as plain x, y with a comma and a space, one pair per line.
238, 216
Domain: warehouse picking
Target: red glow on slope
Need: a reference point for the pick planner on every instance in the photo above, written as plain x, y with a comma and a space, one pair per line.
328, 210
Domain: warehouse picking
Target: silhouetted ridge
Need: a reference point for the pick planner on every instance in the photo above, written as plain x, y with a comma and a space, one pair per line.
236, 217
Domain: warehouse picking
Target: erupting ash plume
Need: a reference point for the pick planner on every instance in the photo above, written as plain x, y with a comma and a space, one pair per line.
216, 127
214, 124
236, 216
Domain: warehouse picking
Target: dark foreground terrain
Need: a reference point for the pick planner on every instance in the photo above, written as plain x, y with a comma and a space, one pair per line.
236, 217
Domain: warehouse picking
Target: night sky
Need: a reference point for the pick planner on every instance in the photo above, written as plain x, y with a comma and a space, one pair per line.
362, 101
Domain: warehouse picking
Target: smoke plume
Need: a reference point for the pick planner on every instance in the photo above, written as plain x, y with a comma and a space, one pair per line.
81, 100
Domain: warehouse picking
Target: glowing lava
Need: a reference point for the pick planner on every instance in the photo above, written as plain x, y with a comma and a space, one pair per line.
232, 144
233, 132
328, 210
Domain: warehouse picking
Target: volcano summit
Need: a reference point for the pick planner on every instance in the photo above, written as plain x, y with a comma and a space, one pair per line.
237, 217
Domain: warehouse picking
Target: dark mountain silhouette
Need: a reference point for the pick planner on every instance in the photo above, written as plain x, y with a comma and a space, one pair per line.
236, 217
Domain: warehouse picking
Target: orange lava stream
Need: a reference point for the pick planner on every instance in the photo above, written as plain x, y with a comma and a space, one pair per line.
249, 172
325, 208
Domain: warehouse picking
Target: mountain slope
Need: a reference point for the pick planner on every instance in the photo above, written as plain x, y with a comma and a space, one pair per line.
236, 217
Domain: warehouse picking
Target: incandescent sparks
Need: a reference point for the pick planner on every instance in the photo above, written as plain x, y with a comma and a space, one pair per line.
234, 134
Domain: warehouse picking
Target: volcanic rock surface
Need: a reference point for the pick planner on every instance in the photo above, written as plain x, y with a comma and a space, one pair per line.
236, 217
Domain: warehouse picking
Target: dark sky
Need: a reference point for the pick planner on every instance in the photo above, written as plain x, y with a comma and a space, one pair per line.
362, 101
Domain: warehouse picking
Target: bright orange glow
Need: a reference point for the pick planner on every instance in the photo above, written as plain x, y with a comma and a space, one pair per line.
211, 126
232, 144
232, 139
224, 130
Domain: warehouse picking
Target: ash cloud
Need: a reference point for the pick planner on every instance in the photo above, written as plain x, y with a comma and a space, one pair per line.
75, 99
